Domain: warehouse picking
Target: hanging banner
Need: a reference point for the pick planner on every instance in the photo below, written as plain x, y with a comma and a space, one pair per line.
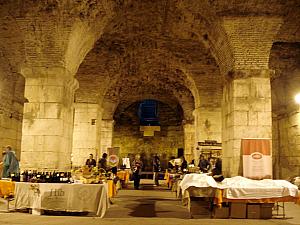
257, 158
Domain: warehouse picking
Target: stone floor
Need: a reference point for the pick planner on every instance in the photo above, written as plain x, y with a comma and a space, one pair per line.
150, 205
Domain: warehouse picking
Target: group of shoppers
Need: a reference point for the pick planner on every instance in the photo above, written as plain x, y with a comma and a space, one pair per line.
205, 165
210, 165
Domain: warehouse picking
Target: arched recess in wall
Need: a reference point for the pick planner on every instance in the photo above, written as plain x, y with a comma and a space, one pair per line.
130, 140
134, 90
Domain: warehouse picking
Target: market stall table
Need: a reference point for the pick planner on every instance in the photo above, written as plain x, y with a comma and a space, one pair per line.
7, 188
62, 197
238, 190
124, 177
111, 188
171, 178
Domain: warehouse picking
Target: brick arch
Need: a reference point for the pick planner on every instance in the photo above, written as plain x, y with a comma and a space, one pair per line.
110, 104
206, 26
124, 106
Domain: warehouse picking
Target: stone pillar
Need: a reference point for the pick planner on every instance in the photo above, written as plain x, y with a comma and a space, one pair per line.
86, 134
207, 126
189, 141
246, 107
286, 158
48, 119
246, 113
107, 128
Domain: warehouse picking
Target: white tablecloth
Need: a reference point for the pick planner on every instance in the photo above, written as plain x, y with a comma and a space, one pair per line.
198, 181
244, 188
197, 185
62, 197
237, 187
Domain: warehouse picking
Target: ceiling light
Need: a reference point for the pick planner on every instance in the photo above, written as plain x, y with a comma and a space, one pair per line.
297, 98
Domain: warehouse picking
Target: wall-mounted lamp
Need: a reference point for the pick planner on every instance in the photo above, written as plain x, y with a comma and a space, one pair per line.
297, 98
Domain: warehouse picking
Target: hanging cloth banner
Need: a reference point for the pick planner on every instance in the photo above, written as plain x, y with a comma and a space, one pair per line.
257, 158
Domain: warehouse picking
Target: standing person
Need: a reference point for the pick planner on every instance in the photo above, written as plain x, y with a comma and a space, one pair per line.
183, 163
90, 162
136, 171
203, 164
211, 164
103, 162
218, 167
156, 169
10, 163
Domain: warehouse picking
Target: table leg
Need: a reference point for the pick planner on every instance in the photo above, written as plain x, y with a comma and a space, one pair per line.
37, 212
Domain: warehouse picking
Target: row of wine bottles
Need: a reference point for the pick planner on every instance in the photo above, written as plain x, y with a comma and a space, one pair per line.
42, 177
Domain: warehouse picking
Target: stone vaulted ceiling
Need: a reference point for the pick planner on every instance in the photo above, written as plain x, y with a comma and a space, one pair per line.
175, 51
141, 55
168, 50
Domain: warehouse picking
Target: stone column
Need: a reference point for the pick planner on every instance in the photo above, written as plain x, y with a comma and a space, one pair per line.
189, 141
246, 107
207, 126
246, 113
107, 128
86, 134
48, 119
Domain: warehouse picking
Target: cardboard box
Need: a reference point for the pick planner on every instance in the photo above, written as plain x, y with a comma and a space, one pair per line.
253, 211
221, 213
199, 208
238, 210
266, 210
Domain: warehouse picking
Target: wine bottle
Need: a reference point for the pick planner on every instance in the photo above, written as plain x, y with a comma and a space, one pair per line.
47, 178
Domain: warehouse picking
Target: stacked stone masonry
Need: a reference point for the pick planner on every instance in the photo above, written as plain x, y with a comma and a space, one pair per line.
228, 69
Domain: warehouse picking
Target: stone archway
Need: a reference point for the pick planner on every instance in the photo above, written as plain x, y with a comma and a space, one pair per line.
131, 141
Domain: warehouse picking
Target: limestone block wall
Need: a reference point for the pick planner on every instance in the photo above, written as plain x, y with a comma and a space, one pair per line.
208, 126
287, 147
86, 138
246, 113
286, 123
189, 141
165, 143
11, 112
106, 135
48, 119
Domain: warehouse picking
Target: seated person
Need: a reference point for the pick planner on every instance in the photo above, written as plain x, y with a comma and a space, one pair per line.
103, 162
90, 162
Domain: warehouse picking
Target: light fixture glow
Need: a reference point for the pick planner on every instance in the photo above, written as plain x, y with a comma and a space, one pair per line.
297, 98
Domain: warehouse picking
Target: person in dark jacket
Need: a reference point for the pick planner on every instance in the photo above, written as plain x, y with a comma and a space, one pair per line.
218, 167
203, 164
137, 166
156, 170
90, 162
184, 163
103, 162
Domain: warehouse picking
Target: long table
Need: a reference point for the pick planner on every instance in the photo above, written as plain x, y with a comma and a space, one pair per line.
62, 197
237, 190
7, 188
